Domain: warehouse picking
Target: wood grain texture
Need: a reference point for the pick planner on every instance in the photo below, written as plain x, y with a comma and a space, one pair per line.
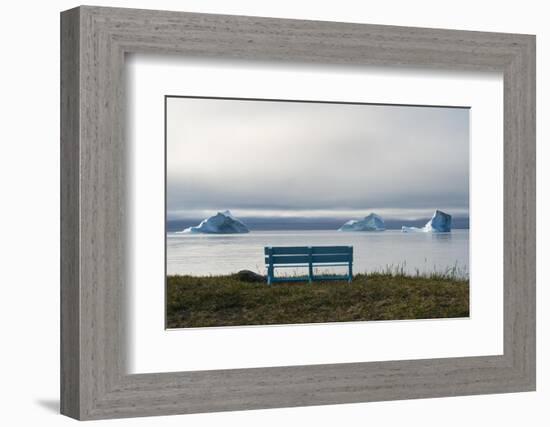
70, 291
94, 267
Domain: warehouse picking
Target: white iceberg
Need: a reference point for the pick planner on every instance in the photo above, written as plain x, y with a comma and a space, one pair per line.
221, 223
371, 222
439, 223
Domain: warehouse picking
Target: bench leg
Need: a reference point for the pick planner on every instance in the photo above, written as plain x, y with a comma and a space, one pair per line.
350, 273
310, 269
270, 267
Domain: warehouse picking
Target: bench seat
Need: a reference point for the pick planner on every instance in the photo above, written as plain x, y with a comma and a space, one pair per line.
310, 257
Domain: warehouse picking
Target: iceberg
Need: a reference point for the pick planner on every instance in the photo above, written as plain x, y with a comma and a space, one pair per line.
439, 223
371, 222
221, 223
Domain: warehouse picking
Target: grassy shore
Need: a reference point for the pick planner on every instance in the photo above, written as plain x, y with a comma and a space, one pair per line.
229, 301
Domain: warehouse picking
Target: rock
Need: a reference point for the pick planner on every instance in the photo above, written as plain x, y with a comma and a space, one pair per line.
249, 276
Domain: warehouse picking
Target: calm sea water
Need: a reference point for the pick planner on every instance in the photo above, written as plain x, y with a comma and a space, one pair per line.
208, 254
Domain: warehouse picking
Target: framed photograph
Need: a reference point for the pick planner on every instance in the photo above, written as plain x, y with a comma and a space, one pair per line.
297, 172
261, 213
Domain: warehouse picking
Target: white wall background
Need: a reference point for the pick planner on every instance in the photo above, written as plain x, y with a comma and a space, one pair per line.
29, 242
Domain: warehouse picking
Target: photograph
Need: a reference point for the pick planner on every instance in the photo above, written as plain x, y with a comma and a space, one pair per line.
282, 212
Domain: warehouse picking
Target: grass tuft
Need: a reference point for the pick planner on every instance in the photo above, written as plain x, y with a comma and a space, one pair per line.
389, 294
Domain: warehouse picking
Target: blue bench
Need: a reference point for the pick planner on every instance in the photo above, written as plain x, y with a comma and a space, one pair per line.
308, 256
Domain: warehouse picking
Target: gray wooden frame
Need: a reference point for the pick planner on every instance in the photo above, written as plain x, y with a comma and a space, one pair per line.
94, 382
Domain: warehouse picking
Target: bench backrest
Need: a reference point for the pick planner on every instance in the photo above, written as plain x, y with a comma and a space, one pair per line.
306, 254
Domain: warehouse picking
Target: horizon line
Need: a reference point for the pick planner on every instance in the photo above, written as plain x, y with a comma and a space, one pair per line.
313, 217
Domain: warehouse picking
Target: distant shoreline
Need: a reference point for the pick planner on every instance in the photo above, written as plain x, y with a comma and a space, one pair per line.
179, 232
311, 224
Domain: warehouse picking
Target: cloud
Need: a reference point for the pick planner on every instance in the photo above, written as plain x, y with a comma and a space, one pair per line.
291, 156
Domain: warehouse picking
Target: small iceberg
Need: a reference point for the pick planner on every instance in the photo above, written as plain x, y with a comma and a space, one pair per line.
371, 222
221, 223
439, 223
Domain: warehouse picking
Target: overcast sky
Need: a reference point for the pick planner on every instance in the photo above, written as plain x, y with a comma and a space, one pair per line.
264, 158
